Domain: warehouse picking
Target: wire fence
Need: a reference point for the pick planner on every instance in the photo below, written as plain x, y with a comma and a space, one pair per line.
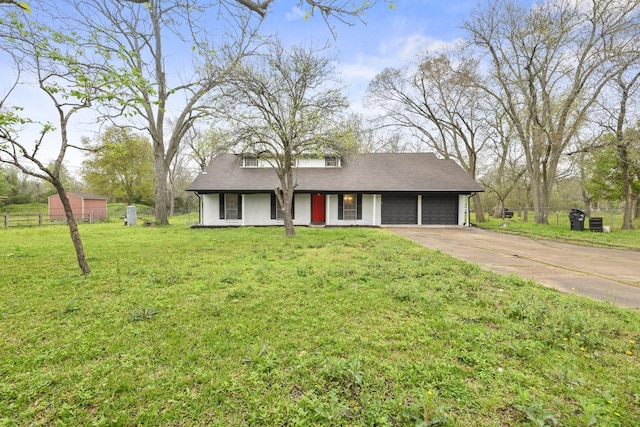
611, 217
144, 216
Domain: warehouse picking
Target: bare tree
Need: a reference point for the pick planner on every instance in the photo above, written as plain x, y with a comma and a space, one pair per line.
284, 105
21, 4
157, 97
627, 83
204, 145
68, 79
438, 103
506, 167
135, 35
180, 176
344, 11
548, 66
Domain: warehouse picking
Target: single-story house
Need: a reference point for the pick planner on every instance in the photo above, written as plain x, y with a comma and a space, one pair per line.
370, 190
85, 207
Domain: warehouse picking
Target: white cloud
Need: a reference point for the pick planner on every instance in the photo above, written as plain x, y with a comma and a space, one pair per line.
407, 48
358, 70
294, 14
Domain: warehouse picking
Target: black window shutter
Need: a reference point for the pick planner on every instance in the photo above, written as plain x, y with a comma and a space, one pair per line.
274, 205
340, 206
359, 206
221, 197
239, 206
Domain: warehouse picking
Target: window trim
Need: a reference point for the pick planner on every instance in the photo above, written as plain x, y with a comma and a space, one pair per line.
224, 208
248, 157
276, 213
358, 207
332, 159
349, 207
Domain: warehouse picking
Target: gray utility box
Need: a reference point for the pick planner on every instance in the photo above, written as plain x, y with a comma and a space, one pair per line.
132, 215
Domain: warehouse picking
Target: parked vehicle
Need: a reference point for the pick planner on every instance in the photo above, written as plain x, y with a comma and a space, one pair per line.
506, 213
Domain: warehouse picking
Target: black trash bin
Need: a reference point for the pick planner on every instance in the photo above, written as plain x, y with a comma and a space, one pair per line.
576, 217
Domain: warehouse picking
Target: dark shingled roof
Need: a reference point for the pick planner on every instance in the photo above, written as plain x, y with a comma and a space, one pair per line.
385, 172
89, 196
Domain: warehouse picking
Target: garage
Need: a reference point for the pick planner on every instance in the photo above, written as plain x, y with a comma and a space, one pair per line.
440, 209
399, 209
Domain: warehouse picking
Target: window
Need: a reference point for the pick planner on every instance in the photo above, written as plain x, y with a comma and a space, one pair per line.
331, 162
230, 206
276, 212
350, 206
250, 161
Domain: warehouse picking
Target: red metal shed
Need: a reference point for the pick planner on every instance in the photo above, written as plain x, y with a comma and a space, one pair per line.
85, 207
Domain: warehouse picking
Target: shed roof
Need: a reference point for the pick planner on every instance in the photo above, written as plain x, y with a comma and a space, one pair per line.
87, 196
379, 172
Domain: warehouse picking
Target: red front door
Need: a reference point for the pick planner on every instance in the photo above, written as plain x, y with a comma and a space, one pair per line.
317, 208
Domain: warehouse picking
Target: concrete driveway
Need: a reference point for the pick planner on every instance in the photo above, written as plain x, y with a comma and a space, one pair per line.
603, 274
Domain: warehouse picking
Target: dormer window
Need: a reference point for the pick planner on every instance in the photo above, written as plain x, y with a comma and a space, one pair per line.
331, 162
249, 161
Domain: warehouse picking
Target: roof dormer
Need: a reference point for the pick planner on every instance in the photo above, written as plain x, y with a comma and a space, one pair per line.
332, 162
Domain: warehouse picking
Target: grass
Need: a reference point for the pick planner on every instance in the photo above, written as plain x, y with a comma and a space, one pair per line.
345, 327
26, 208
22, 215
560, 229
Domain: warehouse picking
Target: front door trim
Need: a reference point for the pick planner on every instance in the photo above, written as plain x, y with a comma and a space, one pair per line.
318, 213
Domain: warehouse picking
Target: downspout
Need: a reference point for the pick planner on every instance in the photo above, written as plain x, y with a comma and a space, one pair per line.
242, 211
199, 207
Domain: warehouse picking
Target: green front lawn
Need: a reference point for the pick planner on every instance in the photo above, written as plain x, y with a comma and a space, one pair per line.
560, 229
353, 327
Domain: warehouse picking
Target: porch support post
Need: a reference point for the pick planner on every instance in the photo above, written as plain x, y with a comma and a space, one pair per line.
419, 209
243, 205
327, 209
373, 221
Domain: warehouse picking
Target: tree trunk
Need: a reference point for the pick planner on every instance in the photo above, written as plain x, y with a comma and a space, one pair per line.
497, 209
161, 212
289, 228
286, 194
285, 201
172, 199
477, 204
73, 230
540, 201
627, 218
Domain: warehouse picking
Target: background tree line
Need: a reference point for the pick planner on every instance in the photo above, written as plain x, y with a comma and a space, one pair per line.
530, 98
533, 98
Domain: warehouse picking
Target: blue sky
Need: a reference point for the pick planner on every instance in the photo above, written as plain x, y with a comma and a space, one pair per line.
389, 38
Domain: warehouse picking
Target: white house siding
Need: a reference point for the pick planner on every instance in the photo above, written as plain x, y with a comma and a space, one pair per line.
211, 212
371, 204
300, 163
462, 209
303, 209
256, 210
